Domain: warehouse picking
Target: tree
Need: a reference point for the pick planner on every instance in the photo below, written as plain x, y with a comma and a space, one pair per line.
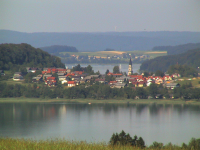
153, 90
159, 73
116, 69
107, 71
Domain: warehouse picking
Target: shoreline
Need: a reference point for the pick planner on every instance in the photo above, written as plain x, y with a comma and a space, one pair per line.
94, 101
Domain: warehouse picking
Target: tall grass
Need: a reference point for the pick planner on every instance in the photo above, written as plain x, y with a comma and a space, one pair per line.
59, 144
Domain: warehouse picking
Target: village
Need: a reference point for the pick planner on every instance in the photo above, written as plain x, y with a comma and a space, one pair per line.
70, 78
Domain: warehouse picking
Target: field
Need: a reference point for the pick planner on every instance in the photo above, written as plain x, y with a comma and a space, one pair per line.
62, 144
195, 81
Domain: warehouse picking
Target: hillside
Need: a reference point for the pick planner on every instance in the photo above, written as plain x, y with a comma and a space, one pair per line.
56, 49
190, 58
16, 55
171, 50
99, 41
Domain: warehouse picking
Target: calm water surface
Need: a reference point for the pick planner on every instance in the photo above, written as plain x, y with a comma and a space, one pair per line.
97, 122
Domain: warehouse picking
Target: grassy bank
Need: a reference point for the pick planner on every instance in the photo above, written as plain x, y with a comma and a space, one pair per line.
92, 101
28, 144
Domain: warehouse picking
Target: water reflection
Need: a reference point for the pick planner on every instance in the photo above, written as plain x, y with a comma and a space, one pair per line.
97, 122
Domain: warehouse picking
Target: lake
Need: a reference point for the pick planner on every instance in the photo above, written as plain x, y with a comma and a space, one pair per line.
97, 122
103, 67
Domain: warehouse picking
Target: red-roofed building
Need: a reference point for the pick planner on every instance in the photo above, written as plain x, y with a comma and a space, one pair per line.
71, 83
112, 82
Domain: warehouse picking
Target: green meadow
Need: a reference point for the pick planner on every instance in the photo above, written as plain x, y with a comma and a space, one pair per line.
61, 144
94, 101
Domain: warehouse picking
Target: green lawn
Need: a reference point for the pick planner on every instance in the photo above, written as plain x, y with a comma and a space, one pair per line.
92, 101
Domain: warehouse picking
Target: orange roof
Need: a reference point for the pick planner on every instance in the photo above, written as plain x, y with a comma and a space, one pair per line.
70, 74
109, 73
136, 76
117, 74
51, 78
71, 82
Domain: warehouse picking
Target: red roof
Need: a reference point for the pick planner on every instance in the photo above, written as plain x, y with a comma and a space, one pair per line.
62, 69
70, 74
71, 82
109, 73
136, 76
51, 78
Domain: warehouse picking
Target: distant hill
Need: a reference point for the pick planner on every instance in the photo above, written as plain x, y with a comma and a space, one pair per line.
16, 55
171, 50
99, 41
190, 58
56, 49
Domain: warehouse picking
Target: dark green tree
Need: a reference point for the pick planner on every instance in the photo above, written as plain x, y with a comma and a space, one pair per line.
116, 69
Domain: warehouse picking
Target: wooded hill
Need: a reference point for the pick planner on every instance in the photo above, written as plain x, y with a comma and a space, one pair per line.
16, 55
162, 63
172, 50
56, 49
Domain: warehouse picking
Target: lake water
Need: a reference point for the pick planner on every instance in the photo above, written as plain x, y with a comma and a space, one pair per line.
97, 122
103, 67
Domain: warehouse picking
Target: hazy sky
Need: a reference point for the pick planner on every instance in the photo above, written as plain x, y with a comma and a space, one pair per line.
99, 15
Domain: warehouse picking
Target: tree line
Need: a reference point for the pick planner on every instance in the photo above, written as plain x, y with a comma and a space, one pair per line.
97, 91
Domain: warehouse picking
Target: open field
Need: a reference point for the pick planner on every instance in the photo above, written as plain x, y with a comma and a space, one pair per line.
195, 81
93, 101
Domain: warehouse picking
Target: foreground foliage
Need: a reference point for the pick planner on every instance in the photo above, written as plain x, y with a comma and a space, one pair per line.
16, 144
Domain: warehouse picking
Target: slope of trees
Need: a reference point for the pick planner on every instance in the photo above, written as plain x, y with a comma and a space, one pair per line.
56, 49
171, 50
162, 63
13, 56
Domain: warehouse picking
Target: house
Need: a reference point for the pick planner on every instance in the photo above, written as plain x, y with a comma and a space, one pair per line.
172, 85
64, 81
61, 78
45, 76
36, 79
18, 78
120, 80
100, 80
61, 74
167, 78
141, 84
74, 78
33, 70
17, 74
118, 85
159, 81
2, 73
176, 75
71, 83
112, 82
61, 70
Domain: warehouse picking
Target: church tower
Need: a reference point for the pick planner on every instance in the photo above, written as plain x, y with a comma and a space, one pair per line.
130, 70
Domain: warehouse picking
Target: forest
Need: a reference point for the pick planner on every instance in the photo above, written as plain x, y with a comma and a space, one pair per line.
56, 49
189, 58
172, 50
14, 56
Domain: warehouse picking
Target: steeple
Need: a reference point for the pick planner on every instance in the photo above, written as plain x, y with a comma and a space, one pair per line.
130, 62
130, 70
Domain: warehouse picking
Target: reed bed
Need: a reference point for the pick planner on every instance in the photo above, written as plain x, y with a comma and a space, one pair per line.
58, 144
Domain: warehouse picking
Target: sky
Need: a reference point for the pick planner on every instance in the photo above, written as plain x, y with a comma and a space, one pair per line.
99, 15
